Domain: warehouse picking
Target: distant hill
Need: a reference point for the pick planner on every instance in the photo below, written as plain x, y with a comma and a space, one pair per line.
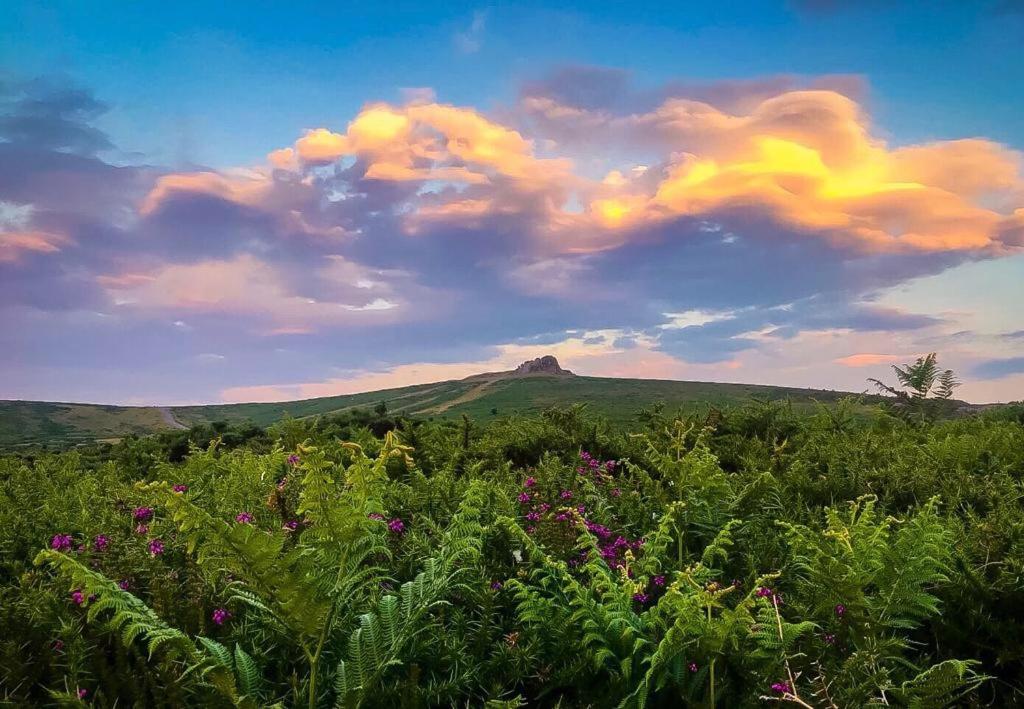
530, 388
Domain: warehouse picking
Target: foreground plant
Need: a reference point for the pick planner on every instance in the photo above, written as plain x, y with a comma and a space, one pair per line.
321, 593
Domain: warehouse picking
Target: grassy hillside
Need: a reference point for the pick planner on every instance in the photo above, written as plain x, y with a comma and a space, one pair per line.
24, 423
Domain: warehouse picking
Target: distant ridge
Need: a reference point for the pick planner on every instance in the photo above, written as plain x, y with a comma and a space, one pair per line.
532, 387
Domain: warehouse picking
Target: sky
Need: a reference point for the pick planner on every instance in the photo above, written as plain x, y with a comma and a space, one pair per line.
205, 202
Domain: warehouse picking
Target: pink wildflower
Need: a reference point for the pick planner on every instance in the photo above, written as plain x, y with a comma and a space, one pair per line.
61, 542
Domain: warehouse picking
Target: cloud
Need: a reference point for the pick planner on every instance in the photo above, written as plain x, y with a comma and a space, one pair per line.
999, 368
15, 244
471, 39
52, 115
247, 287
731, 230
867, 359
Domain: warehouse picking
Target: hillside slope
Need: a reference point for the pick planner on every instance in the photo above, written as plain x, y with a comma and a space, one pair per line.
483, 395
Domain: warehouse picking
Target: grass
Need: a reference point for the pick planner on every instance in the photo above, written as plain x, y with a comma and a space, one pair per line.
59, 424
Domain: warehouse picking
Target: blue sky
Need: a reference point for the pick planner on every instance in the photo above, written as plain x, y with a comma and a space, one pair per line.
541, 176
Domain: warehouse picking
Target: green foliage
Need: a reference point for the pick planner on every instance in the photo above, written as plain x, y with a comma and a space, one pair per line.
923, 386
729, 557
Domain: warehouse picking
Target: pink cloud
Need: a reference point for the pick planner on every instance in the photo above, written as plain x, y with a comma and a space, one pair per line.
247, 286
868, 359
15, 244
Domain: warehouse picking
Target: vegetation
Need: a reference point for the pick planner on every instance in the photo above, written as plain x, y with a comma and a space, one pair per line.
62, 425
729, 557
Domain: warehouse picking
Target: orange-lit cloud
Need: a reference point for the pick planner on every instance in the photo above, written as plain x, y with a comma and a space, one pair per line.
424, 141
867, 359
15, 244
805, 159
242, 188
808, 160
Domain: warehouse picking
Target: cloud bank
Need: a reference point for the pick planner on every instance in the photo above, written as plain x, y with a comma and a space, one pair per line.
739, 230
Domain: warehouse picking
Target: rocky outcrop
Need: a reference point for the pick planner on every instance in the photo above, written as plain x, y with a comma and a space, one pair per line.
542, 365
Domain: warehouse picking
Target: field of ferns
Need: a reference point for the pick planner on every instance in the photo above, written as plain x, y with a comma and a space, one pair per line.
754, 556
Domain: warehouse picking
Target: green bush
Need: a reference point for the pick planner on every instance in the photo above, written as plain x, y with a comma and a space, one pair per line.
733, 558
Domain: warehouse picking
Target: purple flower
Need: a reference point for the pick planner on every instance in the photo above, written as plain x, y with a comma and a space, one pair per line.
840, 610
829, 639
531, 530
83, 693
533, 517
142, 514
61, 542
544, 507
77, 597
293, 459
180, 488
220, 615
142, 529
396, 525
530, 482
692, 667
616, 492
782, 688
496, 585
658, 580
523, 498
58, 645
101, 542
565, 494
765, 592
123, 584
376, 516
243, 518
291, 525
640, 597
156, 547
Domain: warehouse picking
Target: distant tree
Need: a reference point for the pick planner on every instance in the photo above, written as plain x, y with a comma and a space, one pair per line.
381, 409
494, 411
